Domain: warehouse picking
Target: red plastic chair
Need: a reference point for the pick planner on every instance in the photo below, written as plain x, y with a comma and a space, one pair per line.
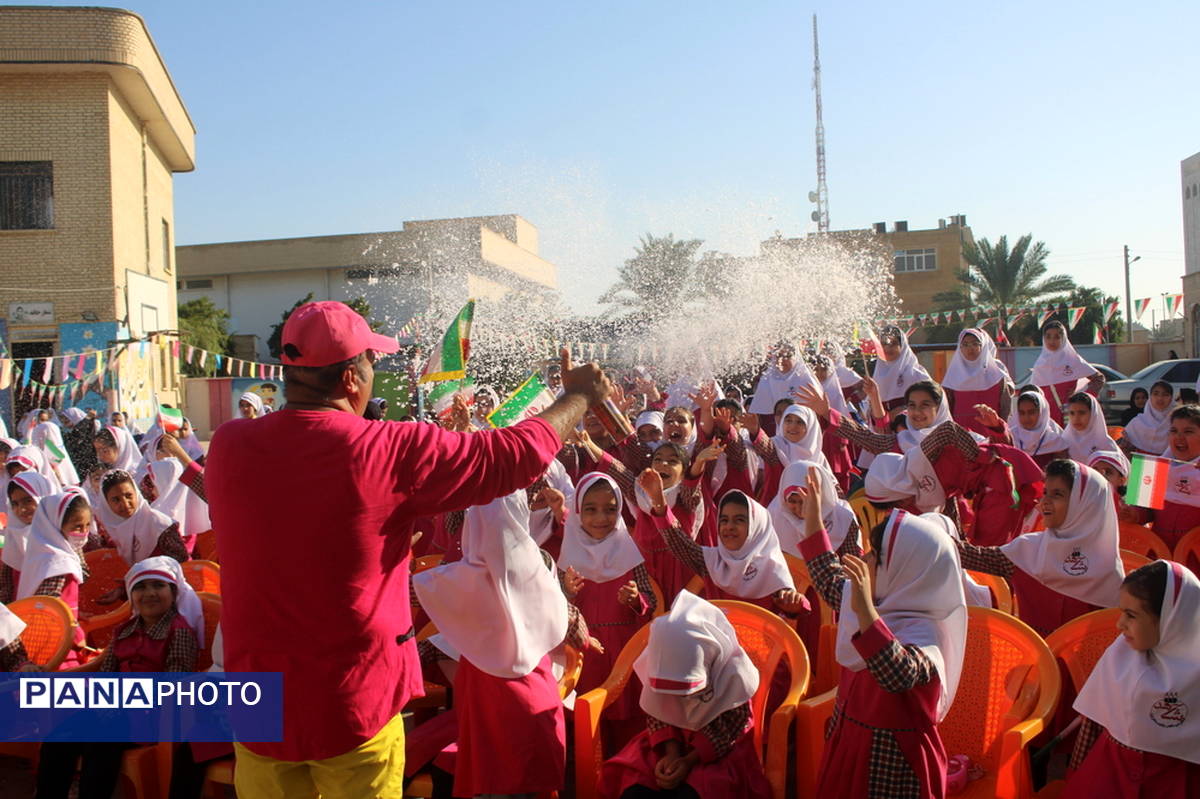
766, 638
106, 571
825, 668
1133, 561
49, 629
1143, 540
1080, 642
206, 546
1001, 590
1008, 690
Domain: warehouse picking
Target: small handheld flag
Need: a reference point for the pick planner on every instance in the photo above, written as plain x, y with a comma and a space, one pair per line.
530, 398
1147, 481
449, 362
170, 419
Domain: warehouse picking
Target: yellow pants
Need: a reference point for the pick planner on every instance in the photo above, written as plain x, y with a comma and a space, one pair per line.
372, 770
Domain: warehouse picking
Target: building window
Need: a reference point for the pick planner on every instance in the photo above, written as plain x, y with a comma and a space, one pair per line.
199, 284
26, 195
916, 260
166, 245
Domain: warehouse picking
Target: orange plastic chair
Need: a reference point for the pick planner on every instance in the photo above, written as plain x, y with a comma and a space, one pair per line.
1001, 590
1008, 690
825, 668
211, 602
868, 516
206, 546
1143, 540
766, 638
1133, 561
49, 629
203, 575
695, 585
1116, 433
1080, 642
426, 562
1187, 550
106, 571
660, 603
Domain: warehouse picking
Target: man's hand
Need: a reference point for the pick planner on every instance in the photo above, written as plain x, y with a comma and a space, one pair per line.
587, 379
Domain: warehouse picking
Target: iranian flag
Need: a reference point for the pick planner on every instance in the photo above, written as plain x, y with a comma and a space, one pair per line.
170, 419
1147, 481
1140, 306
1097, 334
56, 452
441, 398
1174, 301
1074, 315
531, 397
449, 362
1110, 310
1044, 317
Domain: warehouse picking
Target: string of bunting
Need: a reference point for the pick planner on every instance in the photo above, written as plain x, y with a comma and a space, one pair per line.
985, 315
76, 371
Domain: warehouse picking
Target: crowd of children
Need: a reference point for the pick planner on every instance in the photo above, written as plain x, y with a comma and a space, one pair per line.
710, 499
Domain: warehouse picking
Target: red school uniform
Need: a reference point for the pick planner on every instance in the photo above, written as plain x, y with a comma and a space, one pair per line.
962, 406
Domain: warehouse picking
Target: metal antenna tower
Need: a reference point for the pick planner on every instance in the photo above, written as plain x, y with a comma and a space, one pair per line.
821, 195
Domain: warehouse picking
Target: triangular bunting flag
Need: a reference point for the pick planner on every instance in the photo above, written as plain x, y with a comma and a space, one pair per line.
1140, 306
1110, 310
1097, 334
1073, 317
1174, 302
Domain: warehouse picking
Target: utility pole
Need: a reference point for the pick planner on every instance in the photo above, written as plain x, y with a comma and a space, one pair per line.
821, 195
1128, 298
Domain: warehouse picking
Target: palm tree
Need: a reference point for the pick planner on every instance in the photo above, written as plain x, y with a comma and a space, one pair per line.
658, 276
1002, 278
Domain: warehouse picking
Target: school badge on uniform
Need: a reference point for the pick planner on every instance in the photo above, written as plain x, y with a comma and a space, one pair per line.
1076, 564
1169, 711
751, 573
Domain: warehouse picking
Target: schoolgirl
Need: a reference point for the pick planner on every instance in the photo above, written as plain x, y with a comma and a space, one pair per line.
1059, 368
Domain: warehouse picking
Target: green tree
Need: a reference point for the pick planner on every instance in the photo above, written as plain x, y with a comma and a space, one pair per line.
657, 277
203, 325
274, 343
1094, 300
1003, 278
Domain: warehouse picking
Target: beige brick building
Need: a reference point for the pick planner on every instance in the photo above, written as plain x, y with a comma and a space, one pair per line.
91, 131
400, 273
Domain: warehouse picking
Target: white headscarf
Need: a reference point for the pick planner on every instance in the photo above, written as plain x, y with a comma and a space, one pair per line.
894, 377
518, 612
653, 418
74, 415
1045, 437
48, 553
1061, 365
791, 529
598, 560
919, 595
671, 495
832, 387
31, 459
11, 626
911, 437
541, 521
176, 501
1149, 430
693, 669
48, 438
888, 479
1081, 444
976, 594
1144, 698
846, 376
191, 445
16, 534
1080, 559
775, 385
137, 536
254, 400
128, 457
1116, 459
168, 570
757, 568
807, 448
977, 375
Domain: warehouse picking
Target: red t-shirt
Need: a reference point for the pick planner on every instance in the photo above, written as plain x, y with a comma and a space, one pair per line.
314, 511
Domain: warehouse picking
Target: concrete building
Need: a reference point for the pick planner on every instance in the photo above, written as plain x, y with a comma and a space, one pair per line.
925, 262
400, 273
91, 131
1189, 170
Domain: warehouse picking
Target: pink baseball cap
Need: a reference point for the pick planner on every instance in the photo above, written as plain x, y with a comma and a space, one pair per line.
325, 333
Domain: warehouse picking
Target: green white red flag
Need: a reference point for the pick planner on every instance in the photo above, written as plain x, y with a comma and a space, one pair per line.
1147, 481
441, 398
1110, 310
1140, 306
530, 398
1174, 301
1074, 315
449, 361
170, 419
1097, 334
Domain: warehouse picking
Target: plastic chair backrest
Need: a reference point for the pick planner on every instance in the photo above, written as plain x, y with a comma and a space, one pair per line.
106, 571
1133, 561
1008, 675
1187, 550
206, 546
695, 585
203, 575
426, 562
1080, 642
1143, 541
868, 516
1116, 432
212, 617
767, 639
1001, 591
824, 666
49, 629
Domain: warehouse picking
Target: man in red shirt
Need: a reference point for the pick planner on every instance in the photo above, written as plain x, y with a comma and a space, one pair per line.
314, 508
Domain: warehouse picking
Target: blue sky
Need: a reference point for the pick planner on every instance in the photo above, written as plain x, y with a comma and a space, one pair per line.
603, 121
